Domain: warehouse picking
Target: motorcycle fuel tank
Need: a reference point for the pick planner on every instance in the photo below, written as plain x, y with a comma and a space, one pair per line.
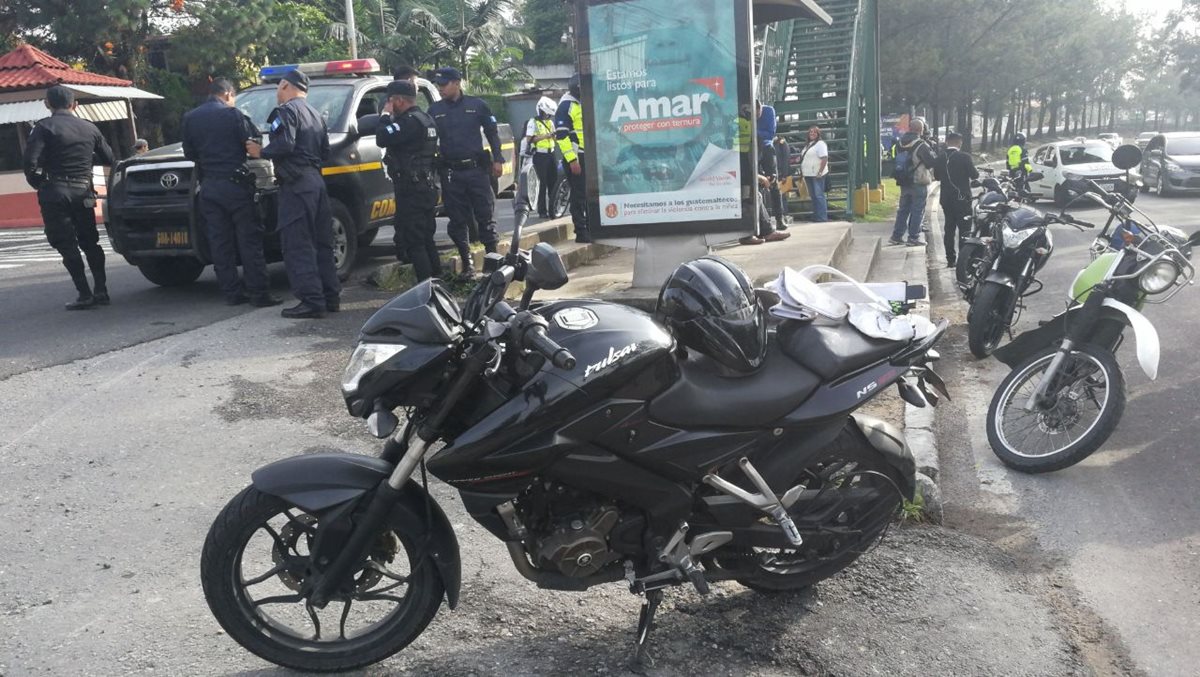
611, 343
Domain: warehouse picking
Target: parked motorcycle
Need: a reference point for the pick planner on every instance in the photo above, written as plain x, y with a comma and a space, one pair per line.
598, 443
1065, 394
980, 244
1019, 246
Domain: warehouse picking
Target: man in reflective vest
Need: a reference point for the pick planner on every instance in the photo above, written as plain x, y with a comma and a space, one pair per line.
1018, 163
568, 128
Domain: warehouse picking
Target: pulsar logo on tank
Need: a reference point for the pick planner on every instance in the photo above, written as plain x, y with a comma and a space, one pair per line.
614, 356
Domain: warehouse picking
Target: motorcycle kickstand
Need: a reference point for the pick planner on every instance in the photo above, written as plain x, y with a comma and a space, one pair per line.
642, 661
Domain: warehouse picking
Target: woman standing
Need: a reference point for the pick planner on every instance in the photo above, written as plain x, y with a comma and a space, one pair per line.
814, 165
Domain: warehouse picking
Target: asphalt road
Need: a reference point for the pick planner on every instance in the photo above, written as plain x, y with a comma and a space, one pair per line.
1122, 527
36, 332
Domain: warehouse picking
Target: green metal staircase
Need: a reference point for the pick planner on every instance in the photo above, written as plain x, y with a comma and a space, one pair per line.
828, 76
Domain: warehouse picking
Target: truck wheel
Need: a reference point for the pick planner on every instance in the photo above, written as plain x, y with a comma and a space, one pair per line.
172, 272
345, 240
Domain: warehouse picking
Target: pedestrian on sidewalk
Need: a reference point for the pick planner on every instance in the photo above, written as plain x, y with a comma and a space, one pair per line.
814, 167
59, 157
768, 160
765, 231
955, 171
913, 173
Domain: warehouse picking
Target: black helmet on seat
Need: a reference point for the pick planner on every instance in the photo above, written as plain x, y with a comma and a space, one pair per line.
710, 306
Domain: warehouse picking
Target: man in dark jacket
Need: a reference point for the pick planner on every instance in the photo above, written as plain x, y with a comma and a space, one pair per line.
58, 162
214, 137
914, 185
955, 171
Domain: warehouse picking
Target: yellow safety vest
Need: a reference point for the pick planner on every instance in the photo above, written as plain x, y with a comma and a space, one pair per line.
1014, 158
573, 143
544, 128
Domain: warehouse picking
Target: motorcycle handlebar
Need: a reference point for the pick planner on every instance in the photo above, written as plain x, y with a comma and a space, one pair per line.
537, 341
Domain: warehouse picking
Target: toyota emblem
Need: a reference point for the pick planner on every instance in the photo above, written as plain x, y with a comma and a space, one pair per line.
169, 180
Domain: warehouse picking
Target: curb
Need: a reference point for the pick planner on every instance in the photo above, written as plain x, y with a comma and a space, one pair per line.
398, 276
919, 421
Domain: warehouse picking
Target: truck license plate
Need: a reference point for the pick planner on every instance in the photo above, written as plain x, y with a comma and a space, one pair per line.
171, 238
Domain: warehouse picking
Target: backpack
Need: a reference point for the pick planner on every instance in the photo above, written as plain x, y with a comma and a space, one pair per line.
905, 165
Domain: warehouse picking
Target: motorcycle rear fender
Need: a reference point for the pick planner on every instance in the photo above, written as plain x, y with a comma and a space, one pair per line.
889, 441
1145, 334
1001, 278
318, 482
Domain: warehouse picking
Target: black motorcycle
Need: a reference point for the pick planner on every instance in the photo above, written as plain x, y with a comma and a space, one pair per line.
979, 244
599, 444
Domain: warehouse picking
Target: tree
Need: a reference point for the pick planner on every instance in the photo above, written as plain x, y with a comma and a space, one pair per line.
545, 22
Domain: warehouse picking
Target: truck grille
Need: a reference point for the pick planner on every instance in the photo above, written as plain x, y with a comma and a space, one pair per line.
159, 181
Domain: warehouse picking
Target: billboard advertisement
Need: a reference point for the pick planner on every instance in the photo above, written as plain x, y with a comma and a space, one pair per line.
668, 93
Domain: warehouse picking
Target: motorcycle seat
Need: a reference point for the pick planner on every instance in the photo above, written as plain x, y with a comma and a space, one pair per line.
706, 395
833, 349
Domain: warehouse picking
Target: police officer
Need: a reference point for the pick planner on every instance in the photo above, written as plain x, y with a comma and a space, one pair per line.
299, 146
541, 139
411, 138
466, 184
214, 137
59, 156
1018, 162
568, 128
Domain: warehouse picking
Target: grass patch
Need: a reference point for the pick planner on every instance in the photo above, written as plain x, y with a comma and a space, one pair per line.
914, 510
884, 212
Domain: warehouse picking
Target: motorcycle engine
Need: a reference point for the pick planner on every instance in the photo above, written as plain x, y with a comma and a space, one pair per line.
571, 530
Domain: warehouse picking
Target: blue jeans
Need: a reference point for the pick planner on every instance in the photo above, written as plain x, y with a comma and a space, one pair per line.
911, 211
816, 191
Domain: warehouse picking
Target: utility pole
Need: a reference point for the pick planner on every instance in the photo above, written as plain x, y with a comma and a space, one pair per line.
351, 29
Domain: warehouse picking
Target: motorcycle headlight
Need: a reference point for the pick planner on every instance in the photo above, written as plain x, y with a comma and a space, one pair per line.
366, 357
1014, 238
1159, 277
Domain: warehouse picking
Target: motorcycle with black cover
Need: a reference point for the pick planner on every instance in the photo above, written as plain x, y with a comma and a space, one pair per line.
600, 444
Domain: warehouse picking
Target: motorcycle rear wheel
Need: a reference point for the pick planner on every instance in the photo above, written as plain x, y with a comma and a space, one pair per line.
849, 465
988, 318
1092, 377
274, 537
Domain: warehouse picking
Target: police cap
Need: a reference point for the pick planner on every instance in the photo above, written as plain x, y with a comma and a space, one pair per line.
401, 88
296, 79
448, 74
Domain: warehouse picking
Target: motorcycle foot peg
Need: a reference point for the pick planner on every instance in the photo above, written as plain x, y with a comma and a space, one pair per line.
696, 576
787, 526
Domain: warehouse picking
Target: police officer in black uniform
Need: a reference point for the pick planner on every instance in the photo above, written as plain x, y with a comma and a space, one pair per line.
466, 184
59, 156
299, 146
214, 137
411, 138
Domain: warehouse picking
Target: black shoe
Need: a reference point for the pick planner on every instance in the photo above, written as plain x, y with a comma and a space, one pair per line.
468, 274
101, 297
583, 238
543, 215
82, 303
916, 243
333, 306
951, 263
302, 311
237, 300
265, 300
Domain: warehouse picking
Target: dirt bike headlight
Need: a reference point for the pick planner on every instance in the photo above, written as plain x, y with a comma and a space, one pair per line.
1159, 277
366, 357
1014, 238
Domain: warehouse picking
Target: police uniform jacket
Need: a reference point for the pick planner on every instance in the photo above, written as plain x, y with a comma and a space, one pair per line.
214, 137
64, 147
411, 140
458, 125
299, 140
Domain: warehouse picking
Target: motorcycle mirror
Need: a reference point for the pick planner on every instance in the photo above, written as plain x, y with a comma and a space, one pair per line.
546, 269
1036, 176
1194, 240
1127, 157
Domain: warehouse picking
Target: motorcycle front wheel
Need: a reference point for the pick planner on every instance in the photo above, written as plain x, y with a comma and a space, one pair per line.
969, 266
855, 495
253, 567
988, 318
1070, 423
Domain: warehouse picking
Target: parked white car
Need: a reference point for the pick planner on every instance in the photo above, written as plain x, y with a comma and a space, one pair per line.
1070, 160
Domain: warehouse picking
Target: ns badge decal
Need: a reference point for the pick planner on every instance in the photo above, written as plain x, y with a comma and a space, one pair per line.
576, 319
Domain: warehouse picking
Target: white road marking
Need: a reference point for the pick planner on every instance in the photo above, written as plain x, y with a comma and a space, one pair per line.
21, 248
